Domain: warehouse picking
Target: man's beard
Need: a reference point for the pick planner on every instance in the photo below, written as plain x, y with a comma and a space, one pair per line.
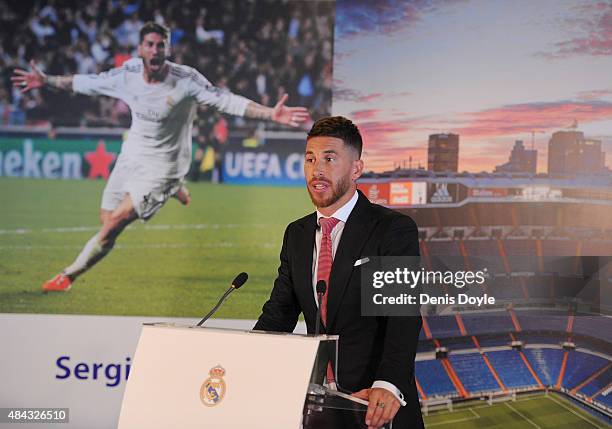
338, 191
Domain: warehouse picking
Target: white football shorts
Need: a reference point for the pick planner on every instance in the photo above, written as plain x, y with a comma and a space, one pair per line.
148, 193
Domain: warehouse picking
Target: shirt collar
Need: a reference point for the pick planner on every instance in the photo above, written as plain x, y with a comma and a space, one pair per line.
343, 212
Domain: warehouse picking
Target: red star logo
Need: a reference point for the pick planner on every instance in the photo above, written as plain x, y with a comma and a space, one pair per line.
100, 161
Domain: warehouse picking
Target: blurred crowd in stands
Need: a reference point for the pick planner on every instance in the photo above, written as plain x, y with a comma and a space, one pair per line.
259, 49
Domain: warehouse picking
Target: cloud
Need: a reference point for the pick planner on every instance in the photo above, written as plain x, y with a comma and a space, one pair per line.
595, 94
355, 17
595, 28
388, 142
362, 115
358, 17
348, 94
527, 117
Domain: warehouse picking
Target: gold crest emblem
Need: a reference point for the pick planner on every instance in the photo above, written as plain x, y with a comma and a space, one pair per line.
213, 389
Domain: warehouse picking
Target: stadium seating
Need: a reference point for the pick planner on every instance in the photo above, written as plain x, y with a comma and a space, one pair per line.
546, 363
433, 378
444, 248
504, 288
511, 369
595, 326
426, 346
570, 287
473, 372
493, 322
458, 343
558, 256
580, 366
521, 255
529, 338
596, 247
495, 341
539, 320
443, 326
564, 247
605, 399
485, 253
597, 384
539, 287
422, 335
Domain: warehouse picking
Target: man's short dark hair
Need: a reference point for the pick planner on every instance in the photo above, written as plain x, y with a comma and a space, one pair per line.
153, 27
339, 127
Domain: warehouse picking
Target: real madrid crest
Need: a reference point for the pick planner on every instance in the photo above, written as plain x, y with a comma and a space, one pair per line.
213, 389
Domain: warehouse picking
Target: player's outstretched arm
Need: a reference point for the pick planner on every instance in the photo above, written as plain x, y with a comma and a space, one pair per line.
28, 80
280, 113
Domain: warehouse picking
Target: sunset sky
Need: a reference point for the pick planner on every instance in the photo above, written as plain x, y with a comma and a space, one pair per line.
491, 71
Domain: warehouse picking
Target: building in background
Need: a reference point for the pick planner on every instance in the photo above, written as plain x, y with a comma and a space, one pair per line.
443, 152
570, 153
521, 160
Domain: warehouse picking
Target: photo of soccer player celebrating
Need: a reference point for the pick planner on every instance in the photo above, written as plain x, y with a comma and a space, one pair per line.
155, 157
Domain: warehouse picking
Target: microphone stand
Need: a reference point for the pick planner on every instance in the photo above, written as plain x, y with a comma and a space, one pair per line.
216, 307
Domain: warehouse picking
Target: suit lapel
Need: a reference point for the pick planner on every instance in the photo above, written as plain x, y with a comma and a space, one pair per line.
303, 276
356, 232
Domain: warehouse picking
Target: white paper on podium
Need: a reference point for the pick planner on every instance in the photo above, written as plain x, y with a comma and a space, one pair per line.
266, 379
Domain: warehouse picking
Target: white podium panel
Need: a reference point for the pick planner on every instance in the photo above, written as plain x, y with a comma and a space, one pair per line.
216, 378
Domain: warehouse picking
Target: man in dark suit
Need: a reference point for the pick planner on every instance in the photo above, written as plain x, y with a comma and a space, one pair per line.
375, 354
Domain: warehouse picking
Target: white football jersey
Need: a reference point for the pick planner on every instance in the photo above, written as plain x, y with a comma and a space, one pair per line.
162, 113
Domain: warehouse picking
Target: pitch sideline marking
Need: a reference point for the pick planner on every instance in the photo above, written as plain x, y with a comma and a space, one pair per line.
531, 398
222, 245
467, 419
474, 412
73, 229
480, 407
574, 412
522, 415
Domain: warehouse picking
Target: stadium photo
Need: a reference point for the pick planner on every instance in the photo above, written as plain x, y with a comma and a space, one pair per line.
498, 148
541, 356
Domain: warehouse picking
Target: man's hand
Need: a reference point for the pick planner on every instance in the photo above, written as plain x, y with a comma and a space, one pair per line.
27, 81
382, 408
292, 116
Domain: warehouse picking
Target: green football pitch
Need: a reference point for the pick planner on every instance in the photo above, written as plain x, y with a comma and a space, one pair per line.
178, 264
528, 412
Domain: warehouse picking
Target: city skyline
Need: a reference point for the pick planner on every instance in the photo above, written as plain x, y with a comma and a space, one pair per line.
491, 72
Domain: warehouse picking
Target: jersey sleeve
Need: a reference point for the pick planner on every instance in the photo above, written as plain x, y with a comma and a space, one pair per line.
206, 94
109, 83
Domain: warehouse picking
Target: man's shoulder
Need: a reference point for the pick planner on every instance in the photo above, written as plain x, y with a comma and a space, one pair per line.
302, 222
182, 71
133, 65
388, 216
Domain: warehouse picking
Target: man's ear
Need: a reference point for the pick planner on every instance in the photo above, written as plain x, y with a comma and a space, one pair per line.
357, 169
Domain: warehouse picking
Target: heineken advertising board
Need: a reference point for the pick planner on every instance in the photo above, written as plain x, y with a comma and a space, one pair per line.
57, 159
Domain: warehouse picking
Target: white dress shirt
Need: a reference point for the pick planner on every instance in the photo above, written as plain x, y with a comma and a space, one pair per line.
342, 215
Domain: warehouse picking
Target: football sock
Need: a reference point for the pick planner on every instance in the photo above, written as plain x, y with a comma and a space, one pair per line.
89, 256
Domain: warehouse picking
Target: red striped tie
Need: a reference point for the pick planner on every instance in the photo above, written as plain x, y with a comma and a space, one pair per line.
324, 265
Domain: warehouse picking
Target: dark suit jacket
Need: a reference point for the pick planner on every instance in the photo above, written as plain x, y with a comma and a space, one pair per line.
369, 348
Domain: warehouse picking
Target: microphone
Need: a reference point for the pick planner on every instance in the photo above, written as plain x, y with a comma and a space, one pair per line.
236, 284
321, 287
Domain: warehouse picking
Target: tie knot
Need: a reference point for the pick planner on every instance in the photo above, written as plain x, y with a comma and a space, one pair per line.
327, 224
